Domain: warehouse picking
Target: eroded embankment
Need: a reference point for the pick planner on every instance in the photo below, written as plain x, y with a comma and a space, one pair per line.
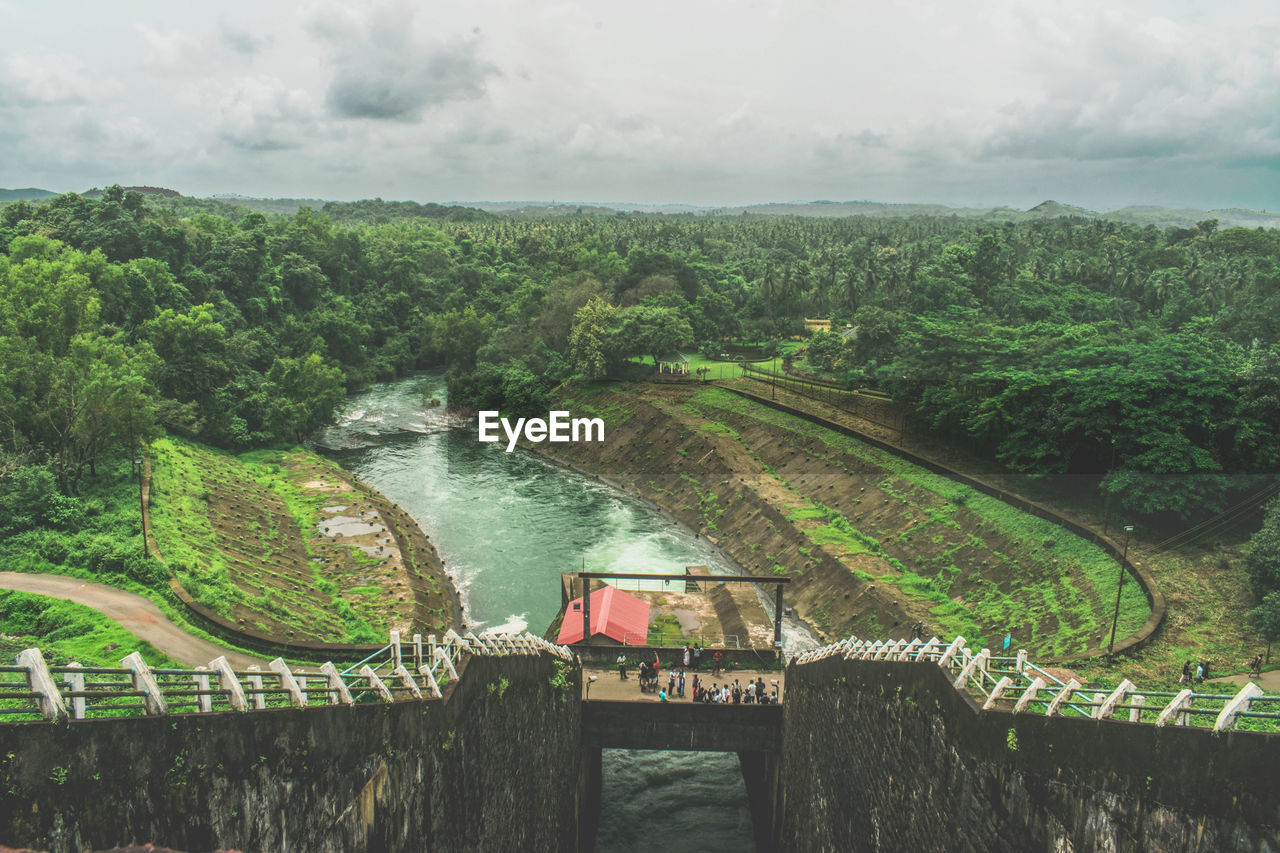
871, 542
286, 547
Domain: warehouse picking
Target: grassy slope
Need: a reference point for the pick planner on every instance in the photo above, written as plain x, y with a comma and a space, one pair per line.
1063, 558
241, 536
941, 556
66, 632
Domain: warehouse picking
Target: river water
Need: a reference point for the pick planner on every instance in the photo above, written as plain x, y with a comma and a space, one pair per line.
507, 525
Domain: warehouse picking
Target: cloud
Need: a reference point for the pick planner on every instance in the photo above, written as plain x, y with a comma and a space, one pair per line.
384, 72
1129, 86
167, 50
242, 41
263, 114
51, 81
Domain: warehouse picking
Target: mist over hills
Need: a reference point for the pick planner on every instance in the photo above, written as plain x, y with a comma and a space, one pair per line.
1161, 217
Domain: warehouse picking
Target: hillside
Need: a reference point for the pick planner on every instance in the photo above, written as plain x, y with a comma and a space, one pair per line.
285, 544
872, 543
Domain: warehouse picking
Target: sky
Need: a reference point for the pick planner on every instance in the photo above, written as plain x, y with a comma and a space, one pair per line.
711, 102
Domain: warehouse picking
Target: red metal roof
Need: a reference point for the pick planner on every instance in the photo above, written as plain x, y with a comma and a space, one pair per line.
614, 613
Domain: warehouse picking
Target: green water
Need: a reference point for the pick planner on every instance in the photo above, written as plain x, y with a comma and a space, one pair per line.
506, 526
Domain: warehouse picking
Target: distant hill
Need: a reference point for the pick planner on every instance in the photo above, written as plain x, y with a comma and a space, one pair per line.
1162, 217
96, 192
377, 210
27, 193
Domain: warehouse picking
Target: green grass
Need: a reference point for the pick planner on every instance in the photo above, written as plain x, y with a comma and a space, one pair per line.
65, 631
1062, 582
251, 566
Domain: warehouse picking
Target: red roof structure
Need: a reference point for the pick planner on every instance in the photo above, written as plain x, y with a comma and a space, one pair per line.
619, 616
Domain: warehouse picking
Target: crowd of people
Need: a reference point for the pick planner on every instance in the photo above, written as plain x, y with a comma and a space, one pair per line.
682, 681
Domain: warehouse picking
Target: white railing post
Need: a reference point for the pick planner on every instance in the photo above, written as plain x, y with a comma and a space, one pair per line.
1107, 707
952, 650
1179, 703
406, 679
417, 651
448, 664
289, 683
228, 683
40, 681
255, 683
1135, 714
973, 665
376, 683
204, 701
997, 692
430, 681
338, 692
75, 683
1021, 665
1063, 696
395, 649
1237, 706
144, 681
1029, 695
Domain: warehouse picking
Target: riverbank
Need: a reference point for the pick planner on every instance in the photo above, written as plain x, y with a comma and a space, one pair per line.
285, 547
872, 544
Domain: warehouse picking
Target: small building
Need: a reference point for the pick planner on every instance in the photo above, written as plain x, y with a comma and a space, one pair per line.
615, 615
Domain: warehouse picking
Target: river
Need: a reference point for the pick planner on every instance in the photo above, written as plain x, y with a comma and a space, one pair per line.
507, 525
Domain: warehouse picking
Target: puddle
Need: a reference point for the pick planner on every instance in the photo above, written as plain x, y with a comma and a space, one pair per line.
346, 525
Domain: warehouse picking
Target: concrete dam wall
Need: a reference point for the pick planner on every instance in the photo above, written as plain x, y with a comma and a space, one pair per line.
492, 766
888, 756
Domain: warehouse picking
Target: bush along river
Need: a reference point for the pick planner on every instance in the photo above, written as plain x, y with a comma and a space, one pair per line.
506, 526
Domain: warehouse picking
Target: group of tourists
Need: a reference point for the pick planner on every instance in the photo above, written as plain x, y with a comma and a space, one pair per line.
724, 694
681, 677
1196, 676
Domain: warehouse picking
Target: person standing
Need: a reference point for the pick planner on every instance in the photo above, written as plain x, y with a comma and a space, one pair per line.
1255, 666
622, 667
697, 656
680, 682
1186, 673
1199, 673
716, 660
671, 683
688, 656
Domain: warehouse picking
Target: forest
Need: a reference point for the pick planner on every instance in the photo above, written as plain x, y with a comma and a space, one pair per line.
1147, 357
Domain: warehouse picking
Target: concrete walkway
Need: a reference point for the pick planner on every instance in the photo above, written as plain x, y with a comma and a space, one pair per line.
136, 614
1270, 680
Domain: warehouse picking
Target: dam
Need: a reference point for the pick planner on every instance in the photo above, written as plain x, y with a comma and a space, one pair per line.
486, 742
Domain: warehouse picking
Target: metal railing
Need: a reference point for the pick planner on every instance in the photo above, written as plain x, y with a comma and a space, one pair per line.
1018, 685
399, 671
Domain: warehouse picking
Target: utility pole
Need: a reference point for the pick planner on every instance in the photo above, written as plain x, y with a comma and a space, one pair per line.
1124, 557
1106, 507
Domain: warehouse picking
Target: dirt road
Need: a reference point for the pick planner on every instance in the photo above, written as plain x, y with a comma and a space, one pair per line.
137, 615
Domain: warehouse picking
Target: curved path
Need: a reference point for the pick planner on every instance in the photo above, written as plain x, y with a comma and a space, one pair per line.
136, 614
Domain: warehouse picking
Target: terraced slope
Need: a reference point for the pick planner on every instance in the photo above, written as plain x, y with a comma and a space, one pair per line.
872, 541
286, 544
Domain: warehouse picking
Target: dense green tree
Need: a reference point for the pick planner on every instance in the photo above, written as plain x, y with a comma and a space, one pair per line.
1265, 620
651, 330
306, 392
591, 339
1262, 557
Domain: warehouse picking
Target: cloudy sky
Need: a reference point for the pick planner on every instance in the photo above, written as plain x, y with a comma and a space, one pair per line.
1100, 104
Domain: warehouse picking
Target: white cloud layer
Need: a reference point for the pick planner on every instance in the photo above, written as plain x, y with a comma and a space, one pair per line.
719, 102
